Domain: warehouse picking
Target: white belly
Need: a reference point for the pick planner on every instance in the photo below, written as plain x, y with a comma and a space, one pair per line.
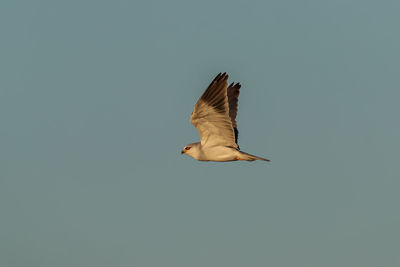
218, 153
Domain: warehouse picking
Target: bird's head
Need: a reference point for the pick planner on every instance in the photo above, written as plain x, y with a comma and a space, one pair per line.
186, 149
191, 150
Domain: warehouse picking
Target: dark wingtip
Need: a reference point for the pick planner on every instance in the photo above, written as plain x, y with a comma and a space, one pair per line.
235, 130
216, 77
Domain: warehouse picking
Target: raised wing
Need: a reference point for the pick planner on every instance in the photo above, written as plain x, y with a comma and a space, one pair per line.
211, 115
233, 92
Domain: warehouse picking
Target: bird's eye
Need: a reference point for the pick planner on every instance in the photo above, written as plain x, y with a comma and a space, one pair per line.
187, 148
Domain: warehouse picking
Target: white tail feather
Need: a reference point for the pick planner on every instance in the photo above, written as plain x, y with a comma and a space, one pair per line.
249, 157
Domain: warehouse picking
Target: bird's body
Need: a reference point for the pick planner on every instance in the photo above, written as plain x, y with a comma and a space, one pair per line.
213, 153
214, 116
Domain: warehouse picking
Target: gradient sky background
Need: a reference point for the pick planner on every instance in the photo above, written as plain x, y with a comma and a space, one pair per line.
95, 100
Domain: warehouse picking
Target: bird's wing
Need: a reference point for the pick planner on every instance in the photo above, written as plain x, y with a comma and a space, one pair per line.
211, 115
233, 92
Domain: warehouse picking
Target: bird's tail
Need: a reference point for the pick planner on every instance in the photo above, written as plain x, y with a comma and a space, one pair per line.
249, 157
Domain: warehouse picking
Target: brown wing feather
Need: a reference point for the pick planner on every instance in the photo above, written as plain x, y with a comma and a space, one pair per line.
233, 95
233, 92
211, 114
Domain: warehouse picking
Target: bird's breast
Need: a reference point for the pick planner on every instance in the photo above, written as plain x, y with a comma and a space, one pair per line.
218, 153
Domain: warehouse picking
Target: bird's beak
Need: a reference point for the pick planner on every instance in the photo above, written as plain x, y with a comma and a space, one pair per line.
182, 152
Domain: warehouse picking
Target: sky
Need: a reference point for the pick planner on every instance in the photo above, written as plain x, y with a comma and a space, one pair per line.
95, 101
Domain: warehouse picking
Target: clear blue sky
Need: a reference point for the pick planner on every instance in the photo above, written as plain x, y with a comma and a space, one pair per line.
95, 100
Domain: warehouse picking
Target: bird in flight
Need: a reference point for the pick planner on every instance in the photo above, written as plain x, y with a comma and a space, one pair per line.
214, 117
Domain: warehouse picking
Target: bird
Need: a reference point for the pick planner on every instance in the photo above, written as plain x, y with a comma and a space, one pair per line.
214, 117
